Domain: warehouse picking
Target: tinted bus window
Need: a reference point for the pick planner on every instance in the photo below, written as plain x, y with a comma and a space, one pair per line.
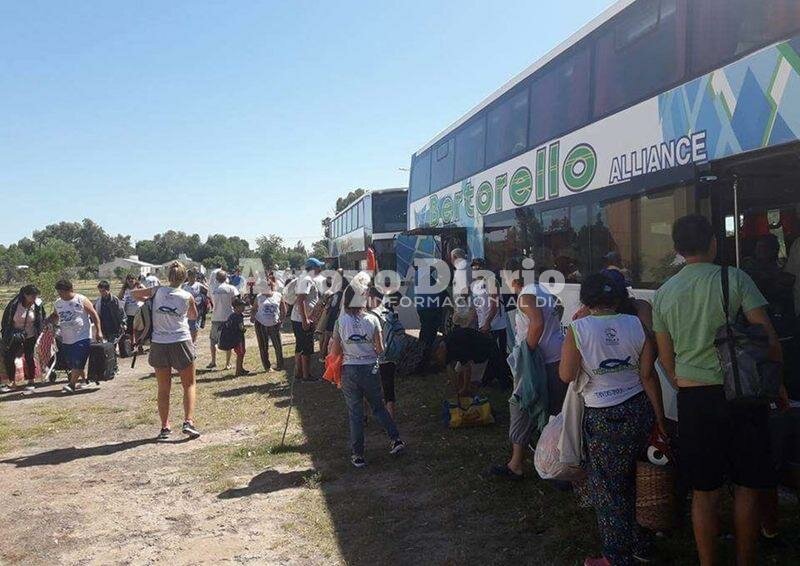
421, 176
389, 212
723, 29
470, 148
507, 128
560, 98
640, 54
442, 165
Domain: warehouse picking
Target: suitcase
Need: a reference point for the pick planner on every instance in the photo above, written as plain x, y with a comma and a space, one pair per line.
125, 346
102, 361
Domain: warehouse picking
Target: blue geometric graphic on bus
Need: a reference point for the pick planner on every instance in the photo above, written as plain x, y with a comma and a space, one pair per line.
748, 105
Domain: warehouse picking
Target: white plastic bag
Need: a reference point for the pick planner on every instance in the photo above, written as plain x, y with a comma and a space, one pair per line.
546, 459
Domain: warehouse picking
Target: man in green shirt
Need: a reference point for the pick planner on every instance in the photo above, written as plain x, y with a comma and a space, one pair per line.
717, 440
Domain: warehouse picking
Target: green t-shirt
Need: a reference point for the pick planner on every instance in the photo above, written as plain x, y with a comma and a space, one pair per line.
689, 308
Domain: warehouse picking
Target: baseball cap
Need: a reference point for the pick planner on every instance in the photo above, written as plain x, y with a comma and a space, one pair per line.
314, 263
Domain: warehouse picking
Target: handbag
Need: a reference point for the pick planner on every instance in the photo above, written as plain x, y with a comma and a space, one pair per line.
749, 376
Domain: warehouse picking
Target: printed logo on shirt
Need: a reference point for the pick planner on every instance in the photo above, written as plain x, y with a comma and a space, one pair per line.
358, 339
171, 311
613, 365
611, 337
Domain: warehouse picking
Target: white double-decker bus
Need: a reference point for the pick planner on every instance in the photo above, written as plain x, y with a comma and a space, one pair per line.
370, 224
654, 110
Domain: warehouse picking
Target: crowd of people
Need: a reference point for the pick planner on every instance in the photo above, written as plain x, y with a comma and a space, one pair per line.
514, 339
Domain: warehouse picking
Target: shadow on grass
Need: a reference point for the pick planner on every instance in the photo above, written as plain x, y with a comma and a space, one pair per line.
269, 389
19, 396
268, 482
64, 455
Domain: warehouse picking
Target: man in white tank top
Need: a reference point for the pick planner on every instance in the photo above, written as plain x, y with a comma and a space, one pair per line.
75, 316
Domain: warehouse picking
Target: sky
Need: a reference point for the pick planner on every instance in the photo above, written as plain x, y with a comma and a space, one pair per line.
240, 117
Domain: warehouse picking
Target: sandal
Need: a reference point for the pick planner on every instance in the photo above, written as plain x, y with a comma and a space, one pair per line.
504, 472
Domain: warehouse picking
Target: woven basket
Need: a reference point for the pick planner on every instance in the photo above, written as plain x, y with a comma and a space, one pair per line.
655, 496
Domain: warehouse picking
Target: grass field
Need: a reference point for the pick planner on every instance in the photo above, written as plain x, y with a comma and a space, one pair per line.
432, 505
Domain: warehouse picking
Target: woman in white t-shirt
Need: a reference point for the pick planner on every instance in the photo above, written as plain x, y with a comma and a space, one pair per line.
131, 305
172, 346
267, 315
357, 337
623, 401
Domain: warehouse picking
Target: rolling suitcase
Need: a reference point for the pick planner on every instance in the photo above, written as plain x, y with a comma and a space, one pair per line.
102, 361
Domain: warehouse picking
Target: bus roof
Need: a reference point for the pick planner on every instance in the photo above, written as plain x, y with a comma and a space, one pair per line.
609, 13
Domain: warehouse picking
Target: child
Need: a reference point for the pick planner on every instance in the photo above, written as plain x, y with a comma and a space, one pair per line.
232, 335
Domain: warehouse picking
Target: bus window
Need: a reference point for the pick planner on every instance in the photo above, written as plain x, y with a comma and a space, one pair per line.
511, 234
560, 98
389, 212
636, 58
560, 247
723, 29
442, 165
470, 148
635, 235
357, 215
507, 130
420, 177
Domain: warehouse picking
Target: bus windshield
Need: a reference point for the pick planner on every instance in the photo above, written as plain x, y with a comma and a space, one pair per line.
389, 212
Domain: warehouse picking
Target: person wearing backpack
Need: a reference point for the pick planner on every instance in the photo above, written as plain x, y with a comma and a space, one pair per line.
172, 347
357, 337
719, 440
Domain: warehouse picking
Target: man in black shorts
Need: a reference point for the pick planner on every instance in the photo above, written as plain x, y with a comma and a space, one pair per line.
718, 440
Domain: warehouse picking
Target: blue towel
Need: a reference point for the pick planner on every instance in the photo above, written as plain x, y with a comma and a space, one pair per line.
530, 384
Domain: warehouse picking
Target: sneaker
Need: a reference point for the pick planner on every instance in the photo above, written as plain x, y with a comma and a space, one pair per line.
228, 367
212, 365
30, 387
397, 447
190, 431
5, 389
164, 434
601, 561
242, 373
69, 388
642, 558
358, 461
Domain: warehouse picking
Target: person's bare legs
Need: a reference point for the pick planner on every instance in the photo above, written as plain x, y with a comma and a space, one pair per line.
705, 523
323, 344
164, 379
517, 458
305, 366
228, 359
745, 520
75, 375
189, 392
213, 354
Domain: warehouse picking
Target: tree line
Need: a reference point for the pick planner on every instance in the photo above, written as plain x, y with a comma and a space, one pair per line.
79, 248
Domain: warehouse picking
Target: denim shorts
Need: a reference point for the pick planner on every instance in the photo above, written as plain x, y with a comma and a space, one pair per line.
76, 355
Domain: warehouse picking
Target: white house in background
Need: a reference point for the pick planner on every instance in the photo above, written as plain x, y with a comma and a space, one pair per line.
161, 270
131, 264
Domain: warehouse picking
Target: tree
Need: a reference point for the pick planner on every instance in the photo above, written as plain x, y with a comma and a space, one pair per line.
271, 250
344, 202
54, 255
319, 249
297, 255
212, 262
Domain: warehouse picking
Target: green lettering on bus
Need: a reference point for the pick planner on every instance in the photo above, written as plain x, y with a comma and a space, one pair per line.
484, 197
580, 167
447, 209
521, 186
553, 182
433, 211
500, 184
469, 193
457, 197
541, 174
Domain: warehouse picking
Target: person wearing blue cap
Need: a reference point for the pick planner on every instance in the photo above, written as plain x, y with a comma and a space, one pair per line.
308, 295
